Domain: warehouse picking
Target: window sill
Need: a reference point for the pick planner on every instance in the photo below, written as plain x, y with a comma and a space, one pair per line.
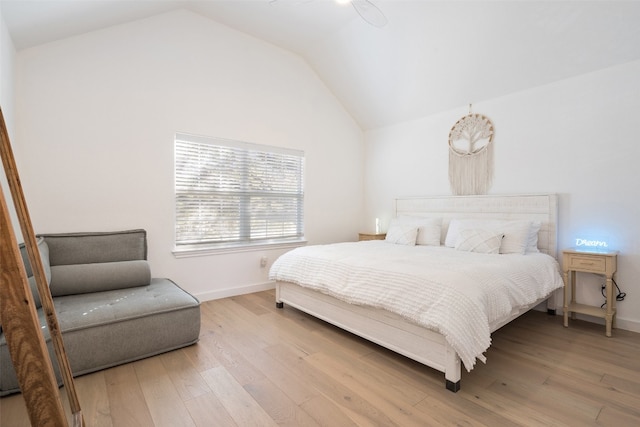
230, 249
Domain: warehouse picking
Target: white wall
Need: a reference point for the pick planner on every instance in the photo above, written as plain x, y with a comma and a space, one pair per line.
577, 138
97, 115
7, 61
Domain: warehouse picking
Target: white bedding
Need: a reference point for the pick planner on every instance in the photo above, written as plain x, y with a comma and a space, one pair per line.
458, 294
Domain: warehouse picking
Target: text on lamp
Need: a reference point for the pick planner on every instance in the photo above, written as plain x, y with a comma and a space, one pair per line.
591, 243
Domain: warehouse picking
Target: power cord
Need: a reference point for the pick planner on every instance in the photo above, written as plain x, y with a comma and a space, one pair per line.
619, 297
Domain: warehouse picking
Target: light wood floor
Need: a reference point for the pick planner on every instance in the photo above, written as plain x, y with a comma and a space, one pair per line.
256, 365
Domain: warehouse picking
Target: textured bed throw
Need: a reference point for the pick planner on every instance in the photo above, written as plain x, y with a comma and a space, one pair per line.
458, 294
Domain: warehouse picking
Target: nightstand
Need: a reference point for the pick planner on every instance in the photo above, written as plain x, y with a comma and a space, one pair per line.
371, 236
603, 263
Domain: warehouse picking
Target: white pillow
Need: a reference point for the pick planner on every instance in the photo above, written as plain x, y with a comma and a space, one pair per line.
516, 236
429, 229
401, 233
453, 232
479, 240
516, 232
532, 246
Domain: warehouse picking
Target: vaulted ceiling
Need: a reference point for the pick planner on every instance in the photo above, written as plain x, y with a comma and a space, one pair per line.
432, 56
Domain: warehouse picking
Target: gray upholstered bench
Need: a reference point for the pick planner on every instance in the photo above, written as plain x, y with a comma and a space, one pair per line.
109, 308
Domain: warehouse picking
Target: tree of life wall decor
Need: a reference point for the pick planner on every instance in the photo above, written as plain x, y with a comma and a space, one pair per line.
471, 155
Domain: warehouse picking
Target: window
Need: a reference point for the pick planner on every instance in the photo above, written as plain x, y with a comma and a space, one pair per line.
232, 193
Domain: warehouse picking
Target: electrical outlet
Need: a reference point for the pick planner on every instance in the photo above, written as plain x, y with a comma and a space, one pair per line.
263, 261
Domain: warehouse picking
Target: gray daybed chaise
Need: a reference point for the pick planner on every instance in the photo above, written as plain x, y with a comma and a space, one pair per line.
109, 309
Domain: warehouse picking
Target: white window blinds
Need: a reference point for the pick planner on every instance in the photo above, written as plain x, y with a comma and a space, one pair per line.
235, 193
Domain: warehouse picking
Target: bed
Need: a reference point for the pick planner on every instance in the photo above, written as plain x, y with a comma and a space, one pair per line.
458, 295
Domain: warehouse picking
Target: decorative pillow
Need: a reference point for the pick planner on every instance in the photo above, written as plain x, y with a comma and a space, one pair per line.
429, 229
401, 233
479, 240
517, 233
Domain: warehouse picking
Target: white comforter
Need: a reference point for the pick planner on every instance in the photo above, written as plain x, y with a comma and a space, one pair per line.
459, 294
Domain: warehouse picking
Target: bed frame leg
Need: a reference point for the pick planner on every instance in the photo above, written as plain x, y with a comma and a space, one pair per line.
454, 387
551, 305
452, 371
279, 304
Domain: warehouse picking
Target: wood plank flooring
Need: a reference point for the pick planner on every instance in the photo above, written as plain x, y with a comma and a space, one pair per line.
256, 365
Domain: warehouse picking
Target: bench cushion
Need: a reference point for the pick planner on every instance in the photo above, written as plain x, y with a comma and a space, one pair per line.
105, 329
88, 248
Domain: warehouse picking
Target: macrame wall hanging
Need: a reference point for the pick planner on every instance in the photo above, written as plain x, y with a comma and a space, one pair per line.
471, 155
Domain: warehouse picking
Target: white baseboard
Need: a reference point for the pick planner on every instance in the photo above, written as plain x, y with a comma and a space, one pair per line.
231, 292
627, 325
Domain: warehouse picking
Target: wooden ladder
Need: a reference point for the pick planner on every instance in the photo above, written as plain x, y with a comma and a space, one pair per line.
18, 315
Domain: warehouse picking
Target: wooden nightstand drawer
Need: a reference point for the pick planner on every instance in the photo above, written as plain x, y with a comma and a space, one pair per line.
588, 263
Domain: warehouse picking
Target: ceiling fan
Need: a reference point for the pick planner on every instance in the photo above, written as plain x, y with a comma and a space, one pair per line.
366, 9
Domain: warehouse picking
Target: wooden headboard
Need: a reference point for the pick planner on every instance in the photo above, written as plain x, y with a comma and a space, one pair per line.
533, 207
